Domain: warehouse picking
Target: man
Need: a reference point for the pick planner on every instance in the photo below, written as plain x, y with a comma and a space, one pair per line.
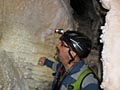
71, 73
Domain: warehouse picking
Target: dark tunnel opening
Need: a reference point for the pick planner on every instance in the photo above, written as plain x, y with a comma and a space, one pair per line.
90, 16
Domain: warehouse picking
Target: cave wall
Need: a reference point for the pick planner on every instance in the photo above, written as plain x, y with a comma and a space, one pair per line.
111, 50
26, 33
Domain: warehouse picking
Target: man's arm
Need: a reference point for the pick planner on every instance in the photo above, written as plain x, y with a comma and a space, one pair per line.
45, 61
90, 83
92, 87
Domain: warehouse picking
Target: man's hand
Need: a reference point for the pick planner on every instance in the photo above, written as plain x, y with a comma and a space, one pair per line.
41, 61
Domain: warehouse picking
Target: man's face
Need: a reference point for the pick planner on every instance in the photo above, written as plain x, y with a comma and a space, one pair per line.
62, 50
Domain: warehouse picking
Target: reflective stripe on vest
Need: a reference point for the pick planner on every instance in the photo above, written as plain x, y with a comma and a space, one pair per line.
77, 84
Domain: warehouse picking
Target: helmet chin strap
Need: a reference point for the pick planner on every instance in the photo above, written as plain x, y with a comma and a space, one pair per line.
72, 58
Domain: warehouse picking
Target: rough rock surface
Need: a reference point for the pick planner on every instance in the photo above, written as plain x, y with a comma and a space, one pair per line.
111, 50
26, 33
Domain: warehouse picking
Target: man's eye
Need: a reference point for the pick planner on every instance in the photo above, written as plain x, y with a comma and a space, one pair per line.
63, 45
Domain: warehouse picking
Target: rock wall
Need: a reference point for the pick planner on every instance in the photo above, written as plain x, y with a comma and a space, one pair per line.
11, 79
111, 50
26, 33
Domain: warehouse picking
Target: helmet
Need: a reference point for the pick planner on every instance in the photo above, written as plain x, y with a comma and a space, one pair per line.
77, 42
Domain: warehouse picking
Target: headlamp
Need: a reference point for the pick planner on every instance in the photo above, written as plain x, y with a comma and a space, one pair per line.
59, 31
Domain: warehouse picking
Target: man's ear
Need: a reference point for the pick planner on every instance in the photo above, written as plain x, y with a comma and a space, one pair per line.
73, 53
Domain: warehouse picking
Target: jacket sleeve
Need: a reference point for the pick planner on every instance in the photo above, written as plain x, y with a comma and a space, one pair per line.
92, 87
53, 65
90, 83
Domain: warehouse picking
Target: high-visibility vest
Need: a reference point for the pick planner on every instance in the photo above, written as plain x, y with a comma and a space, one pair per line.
77, 84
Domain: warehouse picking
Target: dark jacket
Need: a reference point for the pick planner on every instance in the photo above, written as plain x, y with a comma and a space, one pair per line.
89, 82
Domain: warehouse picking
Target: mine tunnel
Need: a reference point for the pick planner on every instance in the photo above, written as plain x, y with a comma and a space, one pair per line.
26, 33
90, 16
